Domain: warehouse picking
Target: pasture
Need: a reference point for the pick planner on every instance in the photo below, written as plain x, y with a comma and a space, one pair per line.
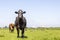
32, 34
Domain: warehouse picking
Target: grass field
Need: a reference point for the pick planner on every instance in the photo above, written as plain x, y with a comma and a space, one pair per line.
32, 34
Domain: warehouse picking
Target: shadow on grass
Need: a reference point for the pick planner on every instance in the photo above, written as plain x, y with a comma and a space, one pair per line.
22, 37
1, 35
56, 38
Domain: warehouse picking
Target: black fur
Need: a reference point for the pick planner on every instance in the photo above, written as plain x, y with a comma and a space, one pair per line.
20, 24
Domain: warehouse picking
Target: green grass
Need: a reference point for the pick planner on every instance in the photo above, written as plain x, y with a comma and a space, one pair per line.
32, 34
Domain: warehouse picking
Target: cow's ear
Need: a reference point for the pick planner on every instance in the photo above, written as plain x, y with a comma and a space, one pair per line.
16, 12
24, 12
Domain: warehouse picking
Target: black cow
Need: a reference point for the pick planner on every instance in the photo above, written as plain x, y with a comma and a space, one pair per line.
20, 22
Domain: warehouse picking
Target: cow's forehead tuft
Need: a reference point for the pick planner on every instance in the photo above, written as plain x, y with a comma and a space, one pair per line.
20, 10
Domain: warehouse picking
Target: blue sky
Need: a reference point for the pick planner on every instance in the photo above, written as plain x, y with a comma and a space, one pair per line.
38, 12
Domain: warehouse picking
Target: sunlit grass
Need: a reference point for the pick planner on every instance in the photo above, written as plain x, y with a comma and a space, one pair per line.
32, 34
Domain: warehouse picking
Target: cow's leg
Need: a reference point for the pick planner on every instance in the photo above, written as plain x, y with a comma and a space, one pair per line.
9, 28
13, 28
17, 31
22, 32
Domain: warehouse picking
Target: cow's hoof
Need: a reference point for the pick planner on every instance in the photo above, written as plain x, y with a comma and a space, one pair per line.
22, 36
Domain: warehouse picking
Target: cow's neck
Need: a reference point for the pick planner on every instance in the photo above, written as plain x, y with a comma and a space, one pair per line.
20, 21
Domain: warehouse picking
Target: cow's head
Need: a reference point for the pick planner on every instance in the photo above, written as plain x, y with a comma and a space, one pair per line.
20, 13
